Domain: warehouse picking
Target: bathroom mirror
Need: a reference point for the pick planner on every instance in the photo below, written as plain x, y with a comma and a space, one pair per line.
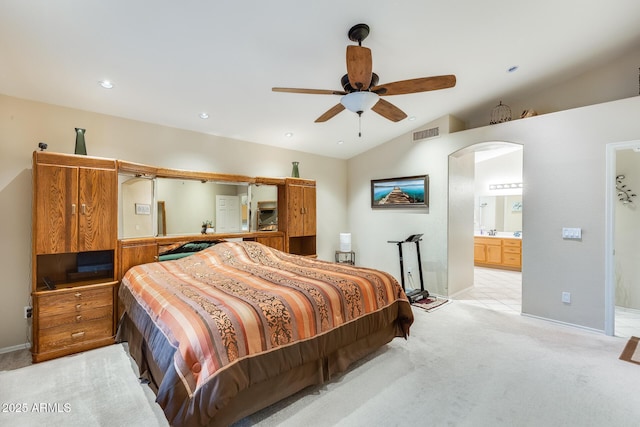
500, 213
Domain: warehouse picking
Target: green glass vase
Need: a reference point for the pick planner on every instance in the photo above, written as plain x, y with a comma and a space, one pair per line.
295, 173
81, 147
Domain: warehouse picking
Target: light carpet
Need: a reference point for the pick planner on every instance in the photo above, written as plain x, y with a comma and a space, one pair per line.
96, 388
462, 366
470, 366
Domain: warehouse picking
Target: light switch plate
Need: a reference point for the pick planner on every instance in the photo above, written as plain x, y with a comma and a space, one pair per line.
571, 233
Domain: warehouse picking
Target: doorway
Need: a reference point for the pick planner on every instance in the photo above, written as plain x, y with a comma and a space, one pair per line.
482, 176
622, 246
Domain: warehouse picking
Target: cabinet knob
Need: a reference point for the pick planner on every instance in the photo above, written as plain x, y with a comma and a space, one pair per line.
77, 335
73, 208
84, 209
78, 307
78, 294
78, 318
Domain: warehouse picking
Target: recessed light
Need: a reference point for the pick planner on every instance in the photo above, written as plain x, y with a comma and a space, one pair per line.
204, 116
512, 69
340, 142
412, 118
288, 134
106, 84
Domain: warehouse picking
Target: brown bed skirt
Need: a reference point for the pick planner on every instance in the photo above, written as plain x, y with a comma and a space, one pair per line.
264, 393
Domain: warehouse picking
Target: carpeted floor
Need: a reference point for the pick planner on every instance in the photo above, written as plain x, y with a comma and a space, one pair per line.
462, 366
95, 388
469, 366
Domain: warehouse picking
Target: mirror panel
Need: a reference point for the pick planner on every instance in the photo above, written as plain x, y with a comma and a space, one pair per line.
502, 213
150, 207
189, 205
136, 207
264, 207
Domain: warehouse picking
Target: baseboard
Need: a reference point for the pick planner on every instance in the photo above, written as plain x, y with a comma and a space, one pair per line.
571, 325
15, 348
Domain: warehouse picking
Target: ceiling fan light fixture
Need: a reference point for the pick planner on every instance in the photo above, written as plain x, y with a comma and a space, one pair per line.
359, 102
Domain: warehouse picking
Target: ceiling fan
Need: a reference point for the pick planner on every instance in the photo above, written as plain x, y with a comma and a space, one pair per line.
361, 90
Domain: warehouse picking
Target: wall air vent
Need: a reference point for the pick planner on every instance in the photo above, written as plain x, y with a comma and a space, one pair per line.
426, 134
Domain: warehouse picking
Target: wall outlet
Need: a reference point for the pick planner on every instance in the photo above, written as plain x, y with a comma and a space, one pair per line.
28, 312
566, 297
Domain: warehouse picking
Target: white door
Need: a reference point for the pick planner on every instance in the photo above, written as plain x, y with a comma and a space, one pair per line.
227, 214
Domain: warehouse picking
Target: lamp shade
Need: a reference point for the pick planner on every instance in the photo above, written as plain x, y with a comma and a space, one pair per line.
359, 102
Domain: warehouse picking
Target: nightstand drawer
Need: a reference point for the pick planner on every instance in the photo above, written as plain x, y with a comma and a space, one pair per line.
75, 317
74, 301
68, 335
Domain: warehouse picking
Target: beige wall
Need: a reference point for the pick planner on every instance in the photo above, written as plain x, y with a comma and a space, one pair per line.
564, 176
24, 123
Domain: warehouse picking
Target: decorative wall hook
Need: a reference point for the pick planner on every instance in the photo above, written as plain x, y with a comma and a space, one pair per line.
625, 195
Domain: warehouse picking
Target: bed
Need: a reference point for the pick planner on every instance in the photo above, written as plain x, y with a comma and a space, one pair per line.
238, 326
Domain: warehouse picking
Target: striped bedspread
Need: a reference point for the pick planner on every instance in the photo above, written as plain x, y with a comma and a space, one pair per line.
236, 300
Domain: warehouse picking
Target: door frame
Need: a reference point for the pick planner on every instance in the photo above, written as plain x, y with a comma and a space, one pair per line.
609, 238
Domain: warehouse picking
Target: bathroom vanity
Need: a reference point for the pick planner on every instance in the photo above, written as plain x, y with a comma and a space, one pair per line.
498, 252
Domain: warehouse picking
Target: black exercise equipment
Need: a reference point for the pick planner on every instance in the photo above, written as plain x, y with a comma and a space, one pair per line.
415, 294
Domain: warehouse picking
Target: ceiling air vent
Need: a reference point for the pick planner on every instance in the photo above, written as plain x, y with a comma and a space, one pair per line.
426, 134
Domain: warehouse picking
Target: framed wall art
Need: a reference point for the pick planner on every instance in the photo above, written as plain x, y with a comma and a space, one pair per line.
400, 193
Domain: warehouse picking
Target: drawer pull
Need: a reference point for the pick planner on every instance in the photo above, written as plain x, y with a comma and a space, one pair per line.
78, 318
78, 294
78, 307
77, 335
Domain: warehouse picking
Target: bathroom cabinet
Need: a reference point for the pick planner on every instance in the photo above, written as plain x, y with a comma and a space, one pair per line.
498, 252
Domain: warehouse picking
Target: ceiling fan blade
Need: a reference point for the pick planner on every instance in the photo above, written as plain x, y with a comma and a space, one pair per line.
423, 84
329, 114
388, 110
309, 91
359, 67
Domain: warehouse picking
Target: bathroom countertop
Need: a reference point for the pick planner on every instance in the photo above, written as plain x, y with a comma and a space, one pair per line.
500, 235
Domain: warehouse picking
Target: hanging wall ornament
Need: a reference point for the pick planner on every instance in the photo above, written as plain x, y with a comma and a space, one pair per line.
625, 194
81, 147
500, 114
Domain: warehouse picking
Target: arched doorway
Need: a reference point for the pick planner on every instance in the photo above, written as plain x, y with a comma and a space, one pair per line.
498, 163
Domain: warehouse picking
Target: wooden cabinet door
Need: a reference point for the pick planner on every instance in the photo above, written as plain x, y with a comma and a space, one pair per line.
296, 210
309, 217
494, 254
479, 252
136, 254
98, 201
56, 209
276, 242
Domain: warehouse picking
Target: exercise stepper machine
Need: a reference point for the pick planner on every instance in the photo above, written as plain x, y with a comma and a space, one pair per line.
415, 294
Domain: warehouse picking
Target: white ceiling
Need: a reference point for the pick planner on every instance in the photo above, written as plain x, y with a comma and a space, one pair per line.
171, 60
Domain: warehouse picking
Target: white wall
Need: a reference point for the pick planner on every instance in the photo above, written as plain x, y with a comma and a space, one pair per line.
627, 233
564, 172
616, 79
24, 123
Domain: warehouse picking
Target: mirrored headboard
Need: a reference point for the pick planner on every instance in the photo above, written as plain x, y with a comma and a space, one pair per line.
167, 202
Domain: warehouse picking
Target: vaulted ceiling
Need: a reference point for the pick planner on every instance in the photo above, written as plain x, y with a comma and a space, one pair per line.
170, 61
